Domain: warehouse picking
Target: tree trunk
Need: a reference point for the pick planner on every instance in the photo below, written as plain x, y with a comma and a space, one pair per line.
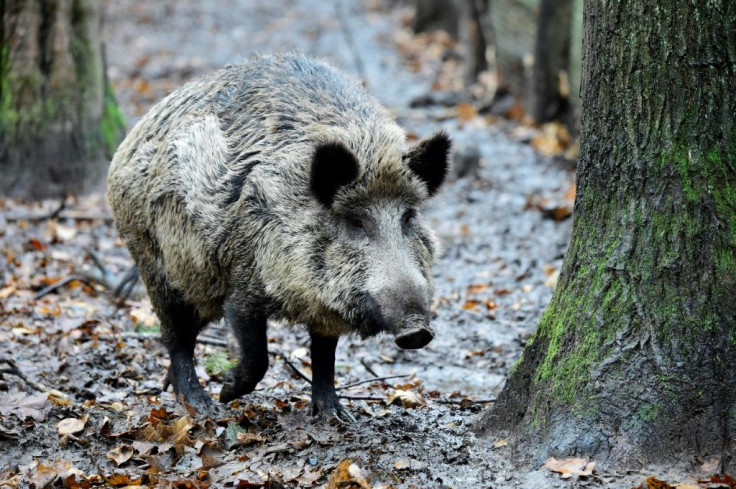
58, 118
549, 96
634, 359
473, 38
436, 14
514, 25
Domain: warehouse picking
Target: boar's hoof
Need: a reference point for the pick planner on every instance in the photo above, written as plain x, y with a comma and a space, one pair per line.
238, 385
188, 391
329, 411
415, 335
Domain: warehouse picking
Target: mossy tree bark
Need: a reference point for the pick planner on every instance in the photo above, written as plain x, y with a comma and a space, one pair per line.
58, 119
635, 357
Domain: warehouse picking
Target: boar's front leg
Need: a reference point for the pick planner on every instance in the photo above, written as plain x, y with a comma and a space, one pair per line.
250, 329
324, 397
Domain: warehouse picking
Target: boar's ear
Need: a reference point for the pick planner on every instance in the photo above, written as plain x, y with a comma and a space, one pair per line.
333, 166
429, 160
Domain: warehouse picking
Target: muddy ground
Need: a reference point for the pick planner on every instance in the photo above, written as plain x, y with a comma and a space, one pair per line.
80, 378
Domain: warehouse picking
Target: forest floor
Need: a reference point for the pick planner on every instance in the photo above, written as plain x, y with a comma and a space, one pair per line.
80, 376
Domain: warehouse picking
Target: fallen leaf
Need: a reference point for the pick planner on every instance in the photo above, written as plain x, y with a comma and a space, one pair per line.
466, 112
23, 405
310, 476
471, 305
570, 466
723, 480
501, 443
476, 288
347, 475
70, 426
408, 399
120, 454
654, 483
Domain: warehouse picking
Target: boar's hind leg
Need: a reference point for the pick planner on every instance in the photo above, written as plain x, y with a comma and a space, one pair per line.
180, 324
250, 330
324, 397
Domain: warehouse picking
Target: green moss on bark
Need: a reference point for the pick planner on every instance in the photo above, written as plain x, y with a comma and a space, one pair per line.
112, 125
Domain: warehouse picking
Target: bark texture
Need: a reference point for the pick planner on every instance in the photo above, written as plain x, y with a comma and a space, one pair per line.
58, 119
633, 360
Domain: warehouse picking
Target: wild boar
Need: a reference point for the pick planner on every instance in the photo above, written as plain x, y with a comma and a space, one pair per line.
278, 188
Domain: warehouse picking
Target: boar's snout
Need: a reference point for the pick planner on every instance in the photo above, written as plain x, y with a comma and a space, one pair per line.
414, 333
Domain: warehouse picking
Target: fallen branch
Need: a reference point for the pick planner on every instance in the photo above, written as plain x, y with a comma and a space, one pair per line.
14, 370
460, 401
363, 398
292, 366
56, 285
375, 379
144, 335
38, 217
368, 367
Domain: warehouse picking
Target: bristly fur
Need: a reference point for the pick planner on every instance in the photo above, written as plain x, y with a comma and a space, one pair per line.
213, 193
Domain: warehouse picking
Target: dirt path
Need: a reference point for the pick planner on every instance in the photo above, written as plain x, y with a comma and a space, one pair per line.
495, 276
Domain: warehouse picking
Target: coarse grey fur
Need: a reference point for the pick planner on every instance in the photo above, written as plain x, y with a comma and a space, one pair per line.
213, 193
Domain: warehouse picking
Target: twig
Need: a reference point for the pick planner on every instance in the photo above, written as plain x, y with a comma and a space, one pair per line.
460, 401
81, 215
293, 367
345, 28
368, 367
363, 398
38, 217
14, 370
144, 335
211, 340
376, 379
60, 283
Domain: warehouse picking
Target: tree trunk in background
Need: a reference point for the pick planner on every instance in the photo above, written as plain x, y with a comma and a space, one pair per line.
633, 360
514, 28
549, 94
436, 14
58, 119
473, 38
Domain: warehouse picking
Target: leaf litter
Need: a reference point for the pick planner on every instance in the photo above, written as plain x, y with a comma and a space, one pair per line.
87, 375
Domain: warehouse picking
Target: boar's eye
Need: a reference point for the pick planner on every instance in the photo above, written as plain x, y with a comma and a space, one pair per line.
355, 226
407, 220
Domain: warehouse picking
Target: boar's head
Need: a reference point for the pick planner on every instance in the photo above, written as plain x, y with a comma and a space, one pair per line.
377, 249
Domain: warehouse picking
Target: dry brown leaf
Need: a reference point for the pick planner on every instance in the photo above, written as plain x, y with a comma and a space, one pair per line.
310, 476
503, 442
570, 466
71, 426
247, 438
466, 112
43, 476
23, 405
471, 305
180, 431
347, 475
653, 483
408, 399
402, 464
725, 480
120, 454
476, 288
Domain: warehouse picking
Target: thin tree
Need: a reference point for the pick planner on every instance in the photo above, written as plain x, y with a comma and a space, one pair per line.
635, 357
58, 119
